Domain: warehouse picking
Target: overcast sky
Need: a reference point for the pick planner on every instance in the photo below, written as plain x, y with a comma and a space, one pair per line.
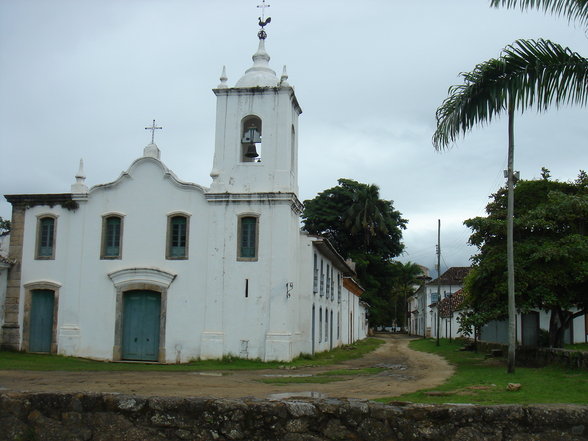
82, 78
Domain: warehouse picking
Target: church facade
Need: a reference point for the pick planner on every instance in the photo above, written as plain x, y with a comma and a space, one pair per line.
149, 267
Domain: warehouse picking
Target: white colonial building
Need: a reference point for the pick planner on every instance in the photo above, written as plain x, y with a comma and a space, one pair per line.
150, 267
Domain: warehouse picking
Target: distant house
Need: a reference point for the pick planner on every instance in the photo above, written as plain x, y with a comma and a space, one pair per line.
415, 302
528, 324
449, 308
424, 301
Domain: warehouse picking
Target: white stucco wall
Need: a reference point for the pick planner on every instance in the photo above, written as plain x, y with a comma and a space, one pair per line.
87, 295
208, 314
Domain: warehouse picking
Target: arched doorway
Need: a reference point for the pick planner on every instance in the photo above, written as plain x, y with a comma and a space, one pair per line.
140, 292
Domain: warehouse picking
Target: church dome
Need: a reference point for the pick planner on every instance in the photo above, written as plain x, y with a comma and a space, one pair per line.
260, 74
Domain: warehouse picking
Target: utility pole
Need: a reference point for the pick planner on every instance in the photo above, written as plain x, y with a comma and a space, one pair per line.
512, 336
438, 275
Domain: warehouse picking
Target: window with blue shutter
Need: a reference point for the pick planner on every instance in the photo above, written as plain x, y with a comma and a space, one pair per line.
247, 238
177, 237
111, 237
46, 238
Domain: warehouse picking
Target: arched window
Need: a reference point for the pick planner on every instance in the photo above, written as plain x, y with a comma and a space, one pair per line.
112, 226
45, 237
251, 139
177, 237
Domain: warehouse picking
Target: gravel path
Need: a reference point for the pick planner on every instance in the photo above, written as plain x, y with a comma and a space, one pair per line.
404, 371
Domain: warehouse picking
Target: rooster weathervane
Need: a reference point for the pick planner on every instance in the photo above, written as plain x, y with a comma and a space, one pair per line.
263, 21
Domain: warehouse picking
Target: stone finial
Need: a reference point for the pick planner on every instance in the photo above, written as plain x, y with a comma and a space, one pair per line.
80, 186
223, 79
152, 151
284, 77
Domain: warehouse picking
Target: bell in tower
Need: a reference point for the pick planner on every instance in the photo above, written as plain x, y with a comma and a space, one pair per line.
251, 137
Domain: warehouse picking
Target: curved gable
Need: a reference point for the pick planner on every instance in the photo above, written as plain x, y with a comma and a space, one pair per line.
141, 162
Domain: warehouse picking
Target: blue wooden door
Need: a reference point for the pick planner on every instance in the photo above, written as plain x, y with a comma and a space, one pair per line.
141, 318
41, 320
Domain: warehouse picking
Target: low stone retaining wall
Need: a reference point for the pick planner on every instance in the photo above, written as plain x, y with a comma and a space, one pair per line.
97, 417
527, 356
545, 356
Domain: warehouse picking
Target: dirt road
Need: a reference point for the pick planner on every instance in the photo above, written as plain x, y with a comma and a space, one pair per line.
404, 371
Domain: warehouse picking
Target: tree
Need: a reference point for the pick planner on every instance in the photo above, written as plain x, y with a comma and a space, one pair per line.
529, 72
4, 227
366, 229
408, 277
551, 230
366, 216
574, 10
354, 218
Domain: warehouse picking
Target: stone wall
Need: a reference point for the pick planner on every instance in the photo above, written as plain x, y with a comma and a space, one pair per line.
545, 356
102, 417
537, 357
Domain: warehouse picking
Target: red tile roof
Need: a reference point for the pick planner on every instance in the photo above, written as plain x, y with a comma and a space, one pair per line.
453, 302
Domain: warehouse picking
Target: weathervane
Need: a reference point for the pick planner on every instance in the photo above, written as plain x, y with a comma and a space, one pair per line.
263, 21
153, 129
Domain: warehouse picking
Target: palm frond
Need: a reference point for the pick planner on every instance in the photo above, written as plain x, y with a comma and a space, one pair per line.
535, 73
573, 10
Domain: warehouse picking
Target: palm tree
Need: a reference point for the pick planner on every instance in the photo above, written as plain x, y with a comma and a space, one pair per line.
574, 10
365, 216
409, 277
528, 73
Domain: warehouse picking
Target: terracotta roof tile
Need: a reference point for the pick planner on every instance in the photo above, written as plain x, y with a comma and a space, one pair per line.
451, 303
453, 276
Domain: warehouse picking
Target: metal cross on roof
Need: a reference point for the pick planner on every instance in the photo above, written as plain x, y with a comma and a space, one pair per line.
153, 128
263, 6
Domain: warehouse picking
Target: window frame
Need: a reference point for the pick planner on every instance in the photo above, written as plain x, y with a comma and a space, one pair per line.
39, 236
104, 236
170, 236
315, 275
322, 279
240, 256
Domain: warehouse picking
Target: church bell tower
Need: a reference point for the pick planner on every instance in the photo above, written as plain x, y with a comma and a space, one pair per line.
256, 139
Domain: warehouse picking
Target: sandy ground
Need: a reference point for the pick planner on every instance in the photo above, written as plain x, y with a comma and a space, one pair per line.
406, 371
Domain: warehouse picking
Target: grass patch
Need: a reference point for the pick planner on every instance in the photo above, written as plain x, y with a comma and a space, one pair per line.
482, 381
46, 362
338, 355
577, 347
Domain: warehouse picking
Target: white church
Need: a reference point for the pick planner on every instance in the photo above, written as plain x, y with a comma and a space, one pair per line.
153, 268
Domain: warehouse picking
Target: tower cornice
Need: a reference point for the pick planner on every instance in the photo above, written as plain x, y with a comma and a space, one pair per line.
249, 91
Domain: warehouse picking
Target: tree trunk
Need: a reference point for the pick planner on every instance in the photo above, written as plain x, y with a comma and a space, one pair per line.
555, 329
512, 342
558, 322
